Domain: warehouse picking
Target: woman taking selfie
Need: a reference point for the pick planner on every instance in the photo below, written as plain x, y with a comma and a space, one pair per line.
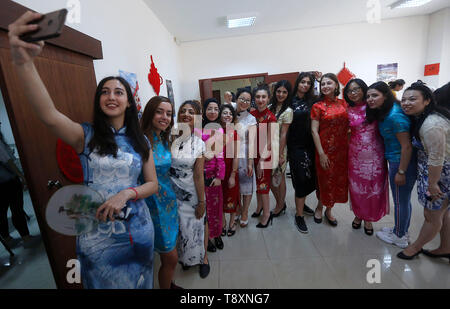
112, 144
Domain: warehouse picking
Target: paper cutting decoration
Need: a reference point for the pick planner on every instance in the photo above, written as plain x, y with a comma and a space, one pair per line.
432, 69
154, 78
69, 162
344, 76
131, 78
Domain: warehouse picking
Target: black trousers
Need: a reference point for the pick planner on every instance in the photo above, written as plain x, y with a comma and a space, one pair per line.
11, 196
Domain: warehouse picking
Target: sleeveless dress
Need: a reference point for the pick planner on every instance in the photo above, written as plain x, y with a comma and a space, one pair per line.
367, 168
163, 204
190, 246
333, 132
119, 254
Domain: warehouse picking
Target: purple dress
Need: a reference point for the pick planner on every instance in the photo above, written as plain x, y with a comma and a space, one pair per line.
367, 168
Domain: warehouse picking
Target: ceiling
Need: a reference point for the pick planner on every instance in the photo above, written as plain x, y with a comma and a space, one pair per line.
194, 20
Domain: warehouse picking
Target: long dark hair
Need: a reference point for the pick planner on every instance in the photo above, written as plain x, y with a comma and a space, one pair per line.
274, 101
309, 97
389, 101
431, 108
361, 84
103, 141
395, 83
149, 114
205, 107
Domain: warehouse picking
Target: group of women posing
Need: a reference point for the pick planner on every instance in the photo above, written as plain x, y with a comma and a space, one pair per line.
164, 181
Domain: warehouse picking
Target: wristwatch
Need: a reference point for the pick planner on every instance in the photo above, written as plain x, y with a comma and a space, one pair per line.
401, 172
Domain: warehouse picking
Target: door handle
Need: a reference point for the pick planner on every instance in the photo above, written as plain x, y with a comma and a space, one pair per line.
54, 184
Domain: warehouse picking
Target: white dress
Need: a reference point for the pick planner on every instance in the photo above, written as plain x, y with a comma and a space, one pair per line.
191, 248
244, 121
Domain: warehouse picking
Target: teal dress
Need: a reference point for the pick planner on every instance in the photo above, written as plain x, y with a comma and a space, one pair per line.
163, 204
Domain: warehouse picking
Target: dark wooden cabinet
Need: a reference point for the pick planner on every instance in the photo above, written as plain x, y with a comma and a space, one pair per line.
66, 68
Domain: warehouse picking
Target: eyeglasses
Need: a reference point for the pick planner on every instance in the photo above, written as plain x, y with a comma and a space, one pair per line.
244, 101
354, 90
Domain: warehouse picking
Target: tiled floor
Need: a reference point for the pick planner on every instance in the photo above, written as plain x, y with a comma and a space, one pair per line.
280, 257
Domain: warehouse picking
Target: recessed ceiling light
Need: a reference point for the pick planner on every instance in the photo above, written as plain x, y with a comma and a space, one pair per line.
408, 4
240, 22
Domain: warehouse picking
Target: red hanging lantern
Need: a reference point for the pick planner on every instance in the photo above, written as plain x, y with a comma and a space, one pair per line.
69, 162
154, 78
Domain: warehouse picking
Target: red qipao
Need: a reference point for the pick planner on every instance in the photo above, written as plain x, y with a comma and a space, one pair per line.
333, 132
263, 183
231, 196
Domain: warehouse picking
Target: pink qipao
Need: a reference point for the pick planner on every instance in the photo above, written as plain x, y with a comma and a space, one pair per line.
367, 172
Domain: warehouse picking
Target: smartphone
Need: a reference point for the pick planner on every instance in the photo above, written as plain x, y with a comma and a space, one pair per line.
50, 26
208, 182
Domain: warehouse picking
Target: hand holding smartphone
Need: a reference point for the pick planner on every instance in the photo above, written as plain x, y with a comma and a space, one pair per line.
49, 26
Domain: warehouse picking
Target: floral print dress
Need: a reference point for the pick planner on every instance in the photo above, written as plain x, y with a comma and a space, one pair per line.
118, 254
163, 204
191, 248
368, 172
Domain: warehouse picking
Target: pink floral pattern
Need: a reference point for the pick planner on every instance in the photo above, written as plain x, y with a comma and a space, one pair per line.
368, 173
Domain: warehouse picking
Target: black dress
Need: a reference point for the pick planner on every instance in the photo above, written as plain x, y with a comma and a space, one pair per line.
301, 149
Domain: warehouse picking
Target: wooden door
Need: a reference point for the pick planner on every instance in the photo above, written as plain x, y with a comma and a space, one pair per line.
291, 77
70, 79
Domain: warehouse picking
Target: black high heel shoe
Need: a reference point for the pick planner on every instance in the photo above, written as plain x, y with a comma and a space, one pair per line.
263, 226
257, 214
432, 255
332, 223
211, 247
275, 215
403, 256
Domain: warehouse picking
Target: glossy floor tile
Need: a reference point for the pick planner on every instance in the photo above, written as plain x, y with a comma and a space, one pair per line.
281, 257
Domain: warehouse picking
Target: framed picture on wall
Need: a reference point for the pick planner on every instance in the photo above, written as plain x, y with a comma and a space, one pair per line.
170, 91
387, 72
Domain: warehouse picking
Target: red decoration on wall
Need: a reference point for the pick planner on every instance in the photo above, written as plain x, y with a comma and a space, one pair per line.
344, 76
69, 162
432, 69
154, 78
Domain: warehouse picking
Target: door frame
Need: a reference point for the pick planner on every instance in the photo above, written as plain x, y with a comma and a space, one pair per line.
205, 85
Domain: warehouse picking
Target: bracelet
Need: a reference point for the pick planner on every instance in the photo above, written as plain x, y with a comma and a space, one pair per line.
137, 195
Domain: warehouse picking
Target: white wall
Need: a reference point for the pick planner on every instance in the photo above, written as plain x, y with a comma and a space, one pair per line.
362, 46
438, 47
130, 32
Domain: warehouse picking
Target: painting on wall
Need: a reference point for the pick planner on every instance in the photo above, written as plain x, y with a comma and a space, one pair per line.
131, 78
387, 72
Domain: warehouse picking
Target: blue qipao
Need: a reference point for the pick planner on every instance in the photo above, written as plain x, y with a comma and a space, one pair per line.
163, 204
118, 254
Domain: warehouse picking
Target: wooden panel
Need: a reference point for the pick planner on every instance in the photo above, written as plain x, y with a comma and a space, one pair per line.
70, 80
205, 89
71, 39
291, 77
